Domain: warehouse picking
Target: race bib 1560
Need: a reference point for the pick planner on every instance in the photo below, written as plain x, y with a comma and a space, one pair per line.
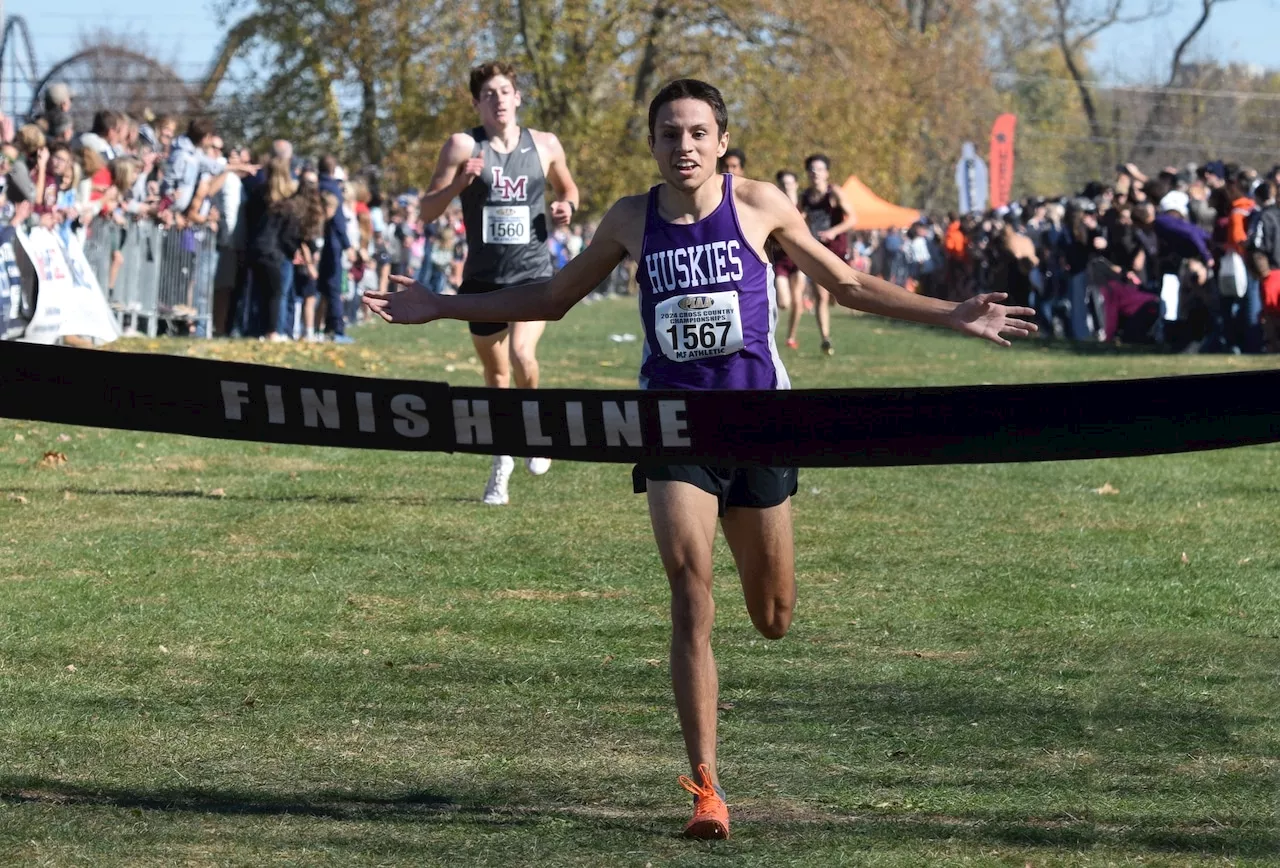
691, 327
506, 224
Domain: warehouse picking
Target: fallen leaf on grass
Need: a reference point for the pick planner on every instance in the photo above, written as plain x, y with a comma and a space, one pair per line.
67, 495
52, 459
608, 658
1243, 561
18, 438
1106, 489
725, 706
63, 438
218, 492
71, 667
1185, 559
17, 498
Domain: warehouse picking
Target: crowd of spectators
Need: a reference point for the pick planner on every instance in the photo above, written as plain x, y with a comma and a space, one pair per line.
295, 239
1188, 259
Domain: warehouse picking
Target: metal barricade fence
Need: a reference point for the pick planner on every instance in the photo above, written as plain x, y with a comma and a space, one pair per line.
164, 275
101, 237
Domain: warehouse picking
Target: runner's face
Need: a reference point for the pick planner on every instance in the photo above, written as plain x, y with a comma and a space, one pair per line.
685, 143
789, 185
733, 166
818, 172
498, 102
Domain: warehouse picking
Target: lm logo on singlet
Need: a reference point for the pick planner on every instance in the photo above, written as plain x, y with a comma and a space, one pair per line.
509, 189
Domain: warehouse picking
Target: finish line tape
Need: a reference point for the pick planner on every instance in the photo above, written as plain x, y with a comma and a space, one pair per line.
800, 428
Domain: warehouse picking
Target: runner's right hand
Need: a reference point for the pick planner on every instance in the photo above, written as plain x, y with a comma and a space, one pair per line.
471, 169
413, 303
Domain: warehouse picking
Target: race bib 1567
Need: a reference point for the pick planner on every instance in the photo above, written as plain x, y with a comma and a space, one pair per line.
691, 327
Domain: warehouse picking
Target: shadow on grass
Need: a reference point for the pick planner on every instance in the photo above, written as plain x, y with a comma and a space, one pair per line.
196, 494
869, 830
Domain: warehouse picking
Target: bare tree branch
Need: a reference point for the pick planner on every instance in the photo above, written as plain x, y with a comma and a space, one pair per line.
1145, 143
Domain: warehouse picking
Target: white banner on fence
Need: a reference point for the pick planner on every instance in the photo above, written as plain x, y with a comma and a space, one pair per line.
68, 299
971, 180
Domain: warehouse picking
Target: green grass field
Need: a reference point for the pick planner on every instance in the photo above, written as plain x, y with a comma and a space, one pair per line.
220, 653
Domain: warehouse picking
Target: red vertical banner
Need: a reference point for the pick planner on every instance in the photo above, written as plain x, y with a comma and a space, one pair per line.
1002, 159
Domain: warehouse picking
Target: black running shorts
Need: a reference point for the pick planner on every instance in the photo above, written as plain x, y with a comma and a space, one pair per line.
752, 487
476, 287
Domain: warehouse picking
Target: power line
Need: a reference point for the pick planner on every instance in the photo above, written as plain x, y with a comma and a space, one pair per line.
1158, 129
1141, 88
1250, 150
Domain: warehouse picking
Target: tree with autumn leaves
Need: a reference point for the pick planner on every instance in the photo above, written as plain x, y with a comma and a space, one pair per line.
889, 89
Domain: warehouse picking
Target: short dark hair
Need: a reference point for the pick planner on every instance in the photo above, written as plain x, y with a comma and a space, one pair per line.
691, 88
328, 165
105, 121
199, 129
486, 71
813, 158
782, 173
736, 152
59, 123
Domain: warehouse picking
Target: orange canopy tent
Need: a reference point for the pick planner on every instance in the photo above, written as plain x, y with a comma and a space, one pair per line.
872, 211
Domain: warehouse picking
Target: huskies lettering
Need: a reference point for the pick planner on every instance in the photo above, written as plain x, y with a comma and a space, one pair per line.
695, 266
509, 189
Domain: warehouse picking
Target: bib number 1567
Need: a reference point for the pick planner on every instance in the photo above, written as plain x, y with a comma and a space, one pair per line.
706, 335
692, 327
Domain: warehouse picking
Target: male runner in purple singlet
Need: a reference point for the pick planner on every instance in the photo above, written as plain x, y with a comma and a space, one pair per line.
703, 234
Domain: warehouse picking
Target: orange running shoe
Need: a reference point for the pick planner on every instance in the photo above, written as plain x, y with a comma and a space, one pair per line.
793, 344
710, 813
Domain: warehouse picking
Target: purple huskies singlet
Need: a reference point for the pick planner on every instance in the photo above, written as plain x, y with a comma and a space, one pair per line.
708, 305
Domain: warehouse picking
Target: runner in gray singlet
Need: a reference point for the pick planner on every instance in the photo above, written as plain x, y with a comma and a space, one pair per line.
501, 171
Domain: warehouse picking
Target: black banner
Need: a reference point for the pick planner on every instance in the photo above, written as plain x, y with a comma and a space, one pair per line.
803, 428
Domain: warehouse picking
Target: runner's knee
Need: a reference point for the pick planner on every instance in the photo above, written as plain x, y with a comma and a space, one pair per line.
523, 358
693, 609
773, 619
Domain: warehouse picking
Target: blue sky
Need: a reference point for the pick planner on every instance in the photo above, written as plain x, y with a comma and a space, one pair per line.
1132, 53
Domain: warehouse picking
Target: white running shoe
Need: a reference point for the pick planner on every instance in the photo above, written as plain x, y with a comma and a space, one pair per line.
537, 466
495, 493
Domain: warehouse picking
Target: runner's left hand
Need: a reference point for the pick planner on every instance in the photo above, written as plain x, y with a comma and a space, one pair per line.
561, 213
982, 317
412, 304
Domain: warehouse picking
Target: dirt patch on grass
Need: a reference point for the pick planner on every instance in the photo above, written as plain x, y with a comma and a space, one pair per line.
925, 654
1213, 766
182, 463
1060, 760
256, 554
366, 602
286, 464
535, 595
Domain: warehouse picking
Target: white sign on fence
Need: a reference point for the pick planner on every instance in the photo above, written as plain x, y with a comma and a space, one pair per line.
68, 298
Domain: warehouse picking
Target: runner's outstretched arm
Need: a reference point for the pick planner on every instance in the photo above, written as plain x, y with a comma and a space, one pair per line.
533, 302
981, 316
